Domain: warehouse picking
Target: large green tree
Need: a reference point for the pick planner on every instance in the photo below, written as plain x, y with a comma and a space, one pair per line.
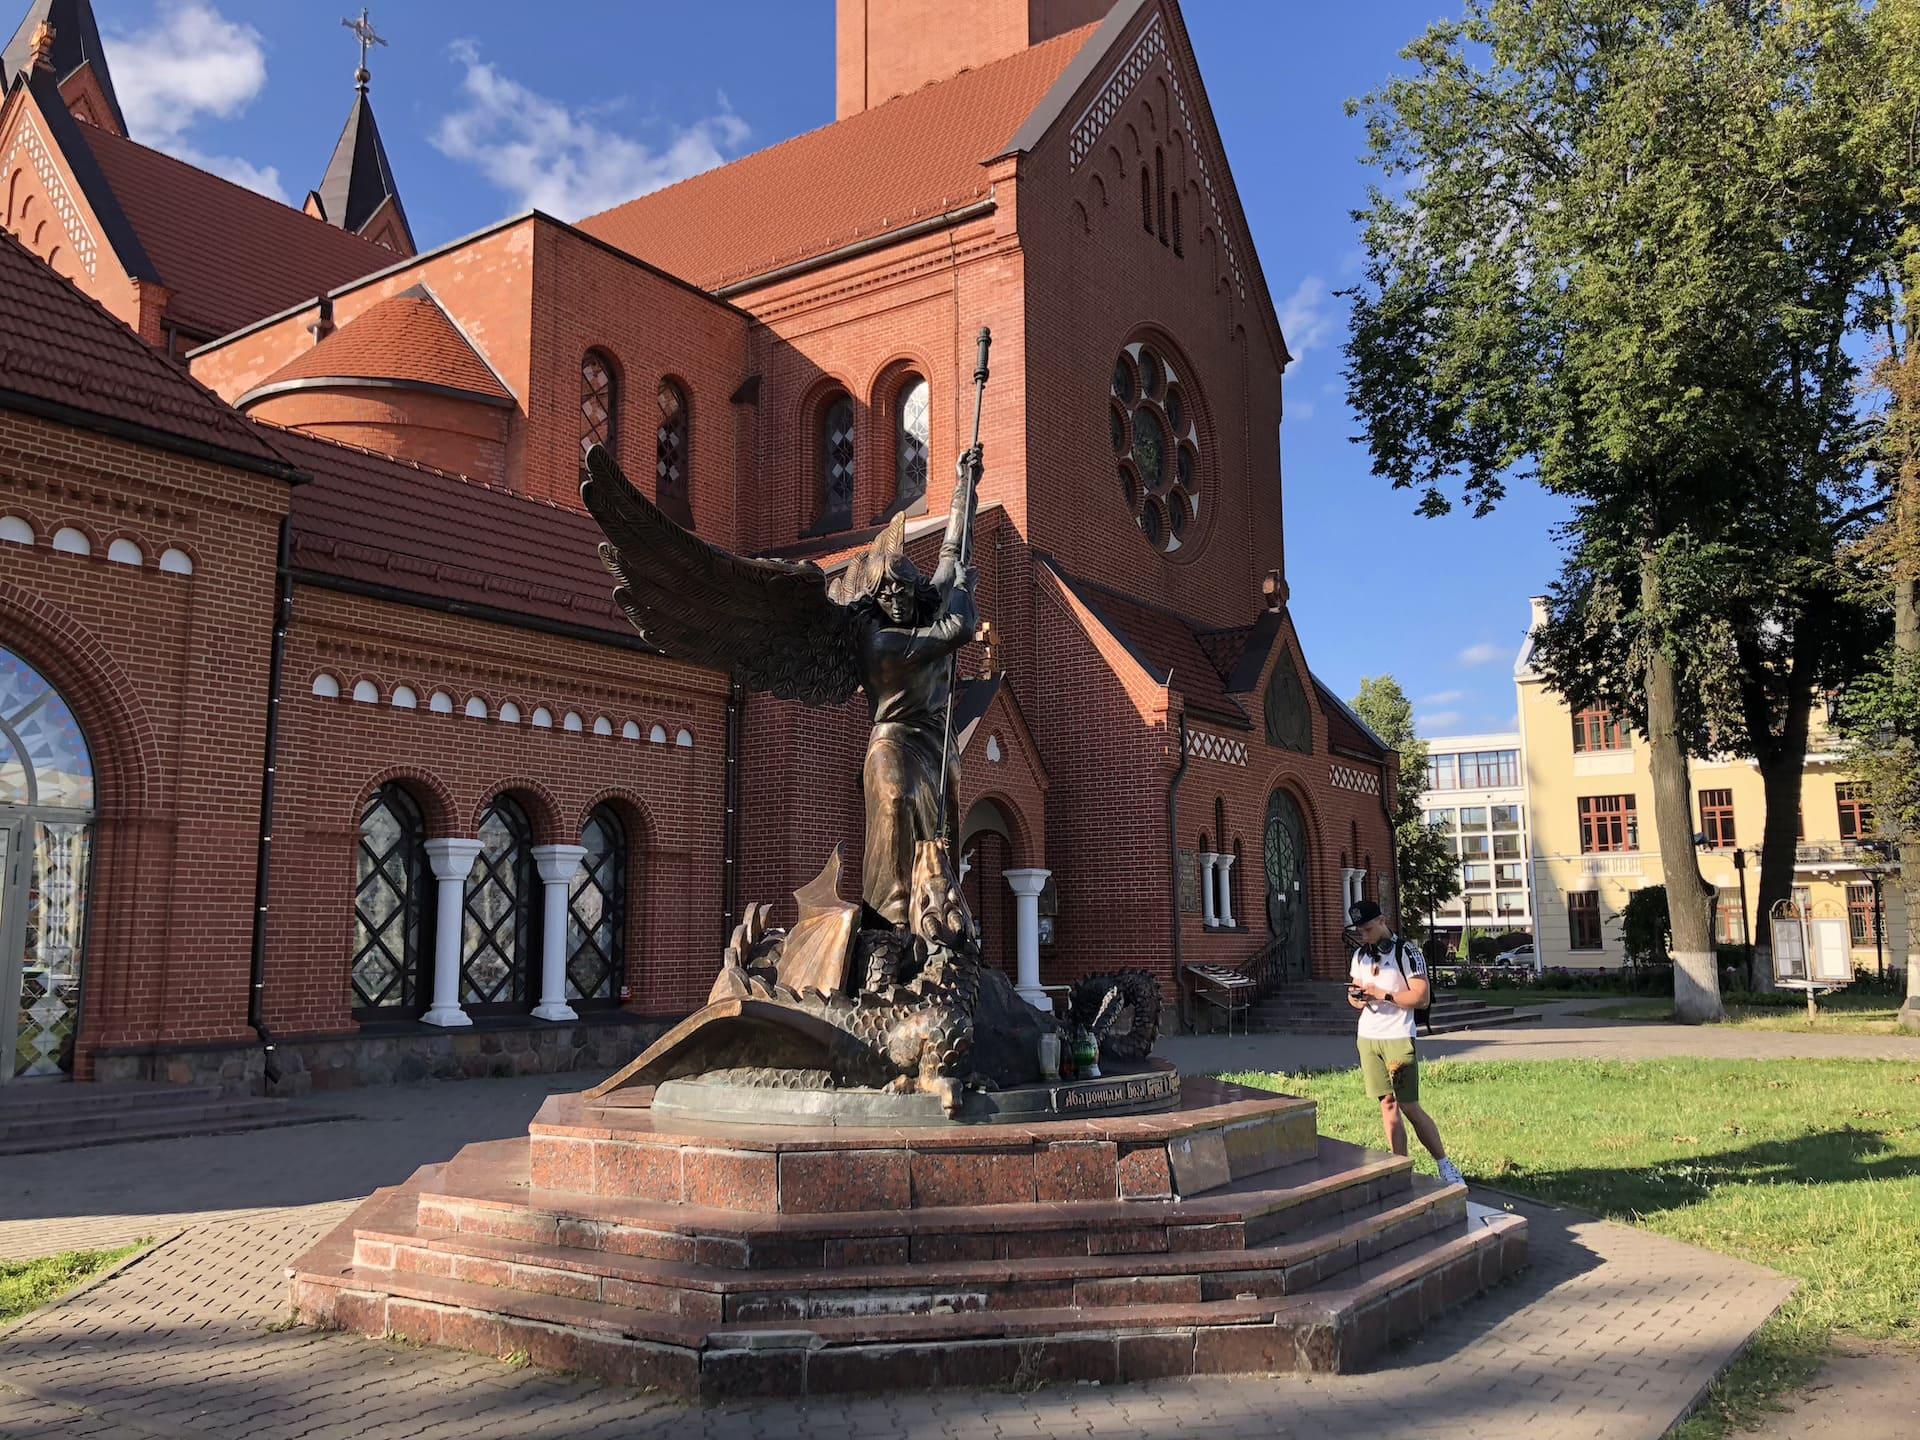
1428, 869
1608, 254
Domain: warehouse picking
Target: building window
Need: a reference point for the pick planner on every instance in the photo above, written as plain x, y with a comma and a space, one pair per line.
1506, 847
1608, 822
1583, 917
1860, 915
1178, 247
910, 447
498, 933
1856, 810
1509, 874
1156, 444
1160, 189
671, 455
597, 911
390, 904
599, 404
836, 465
1441, 773
1441, 820
1727, 926
1146, 200
1476, 877
1716, 818
1475, 847
1506, 817
1489, 769
1596, 729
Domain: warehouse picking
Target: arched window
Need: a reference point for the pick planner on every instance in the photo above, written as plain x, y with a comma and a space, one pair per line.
671, 452
910, 447
392, 898
498, 933
597, 912
1178, 247
46, 838
1146, 200
836, 464
1160, 189
599, 403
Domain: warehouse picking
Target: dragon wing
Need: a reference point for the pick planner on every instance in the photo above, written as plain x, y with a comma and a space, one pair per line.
768, 623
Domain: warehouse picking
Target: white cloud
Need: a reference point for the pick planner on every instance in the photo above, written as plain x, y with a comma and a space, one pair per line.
1306, 319
190, 65
1485, 653
1438, 720
1301, 410
1443, 697
564, 161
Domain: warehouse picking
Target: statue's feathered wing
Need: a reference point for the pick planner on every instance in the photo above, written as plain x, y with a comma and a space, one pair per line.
769, 623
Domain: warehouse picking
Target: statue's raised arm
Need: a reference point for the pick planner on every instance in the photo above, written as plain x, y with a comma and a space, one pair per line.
770, 624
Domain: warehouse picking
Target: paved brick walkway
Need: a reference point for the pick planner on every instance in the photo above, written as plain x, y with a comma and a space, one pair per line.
1614, 1332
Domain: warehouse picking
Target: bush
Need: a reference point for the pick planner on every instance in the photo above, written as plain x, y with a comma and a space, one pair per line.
1466, 978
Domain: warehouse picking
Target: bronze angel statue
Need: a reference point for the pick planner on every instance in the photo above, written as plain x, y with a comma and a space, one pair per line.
793, 632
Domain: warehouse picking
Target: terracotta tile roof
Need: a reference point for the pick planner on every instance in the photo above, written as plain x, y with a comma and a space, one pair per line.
59, 348
405, 337
373, 520
913, 157
229, 256
1166, 643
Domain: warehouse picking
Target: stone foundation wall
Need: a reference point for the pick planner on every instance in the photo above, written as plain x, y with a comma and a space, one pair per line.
346, 1061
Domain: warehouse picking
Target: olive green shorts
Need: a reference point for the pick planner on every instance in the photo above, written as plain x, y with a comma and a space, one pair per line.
1391, 1067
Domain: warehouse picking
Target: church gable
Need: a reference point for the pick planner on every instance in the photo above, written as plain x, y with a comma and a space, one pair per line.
1132, 128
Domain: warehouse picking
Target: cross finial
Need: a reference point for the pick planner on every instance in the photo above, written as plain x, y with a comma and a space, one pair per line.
40, 48
364, 32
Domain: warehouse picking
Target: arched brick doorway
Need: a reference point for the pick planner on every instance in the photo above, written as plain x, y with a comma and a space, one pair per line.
987, 846
1288, 883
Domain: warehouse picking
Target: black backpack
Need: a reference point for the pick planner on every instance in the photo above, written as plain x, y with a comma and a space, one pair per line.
1422, 1014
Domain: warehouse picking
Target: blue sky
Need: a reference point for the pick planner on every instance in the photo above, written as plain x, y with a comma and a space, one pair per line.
488, 107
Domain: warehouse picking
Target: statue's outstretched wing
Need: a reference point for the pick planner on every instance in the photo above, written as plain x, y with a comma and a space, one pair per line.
769, 623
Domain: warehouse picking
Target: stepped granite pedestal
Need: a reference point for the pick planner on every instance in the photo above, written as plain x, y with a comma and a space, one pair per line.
1217, 1233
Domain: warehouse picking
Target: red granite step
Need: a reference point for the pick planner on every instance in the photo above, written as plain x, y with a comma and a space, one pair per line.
717, 1294
1329, 1327
485, 1195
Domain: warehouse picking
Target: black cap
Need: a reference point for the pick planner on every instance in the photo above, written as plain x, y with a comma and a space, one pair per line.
1362, 912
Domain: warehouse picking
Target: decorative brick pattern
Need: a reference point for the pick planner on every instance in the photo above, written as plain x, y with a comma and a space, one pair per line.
1346, 777
1207, 746
1150, 45
29, 141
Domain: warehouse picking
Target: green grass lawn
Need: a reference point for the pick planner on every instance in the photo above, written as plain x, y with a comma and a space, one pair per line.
1811, 1167
1838, 1014
1490, 996
26, 1285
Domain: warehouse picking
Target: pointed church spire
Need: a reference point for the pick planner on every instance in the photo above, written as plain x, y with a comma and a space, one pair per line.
72, 51
358, 192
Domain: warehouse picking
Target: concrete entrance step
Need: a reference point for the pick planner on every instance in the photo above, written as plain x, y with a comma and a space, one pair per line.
39, 1100
26, 1136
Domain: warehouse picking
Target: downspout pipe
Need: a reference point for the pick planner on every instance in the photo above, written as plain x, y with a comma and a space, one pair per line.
263, 871
1173, 871
730, 815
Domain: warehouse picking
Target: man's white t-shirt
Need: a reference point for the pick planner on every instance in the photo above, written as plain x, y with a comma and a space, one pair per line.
1382, 1019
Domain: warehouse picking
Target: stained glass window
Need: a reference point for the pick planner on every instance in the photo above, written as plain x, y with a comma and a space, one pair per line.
599, 404
596, 911
390, 896
910, 448
43, 756
836, 465
1153, 433
56, 908
671, 445
1289, 718
497, 940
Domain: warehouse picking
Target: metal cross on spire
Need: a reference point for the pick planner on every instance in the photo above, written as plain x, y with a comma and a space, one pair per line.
364, 32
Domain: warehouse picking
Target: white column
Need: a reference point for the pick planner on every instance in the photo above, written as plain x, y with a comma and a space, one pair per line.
452, 861
1208, 916
1225, 868
558, 865
1026, 886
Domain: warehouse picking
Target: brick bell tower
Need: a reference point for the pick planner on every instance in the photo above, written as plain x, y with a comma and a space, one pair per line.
886, 48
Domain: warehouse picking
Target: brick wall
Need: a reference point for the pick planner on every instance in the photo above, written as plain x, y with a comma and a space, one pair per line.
167, 676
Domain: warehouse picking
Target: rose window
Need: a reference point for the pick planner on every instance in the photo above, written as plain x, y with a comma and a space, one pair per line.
1156, 448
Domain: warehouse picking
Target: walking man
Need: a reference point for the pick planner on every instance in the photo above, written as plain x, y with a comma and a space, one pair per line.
1388, 983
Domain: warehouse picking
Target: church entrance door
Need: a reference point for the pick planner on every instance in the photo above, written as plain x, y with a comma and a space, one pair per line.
46, 839
1288, 919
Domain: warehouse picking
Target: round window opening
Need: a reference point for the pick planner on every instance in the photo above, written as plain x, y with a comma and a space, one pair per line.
1157, 447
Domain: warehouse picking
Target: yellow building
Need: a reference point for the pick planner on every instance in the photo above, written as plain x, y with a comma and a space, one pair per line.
1593, 841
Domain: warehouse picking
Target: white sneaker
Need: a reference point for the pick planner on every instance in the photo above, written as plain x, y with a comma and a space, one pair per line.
1450, 1173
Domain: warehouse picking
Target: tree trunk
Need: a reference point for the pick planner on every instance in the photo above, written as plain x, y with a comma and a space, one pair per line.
1906, 643
1782, 766
1696, 975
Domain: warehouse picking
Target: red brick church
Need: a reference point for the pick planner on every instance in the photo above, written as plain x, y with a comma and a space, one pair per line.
323, 748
